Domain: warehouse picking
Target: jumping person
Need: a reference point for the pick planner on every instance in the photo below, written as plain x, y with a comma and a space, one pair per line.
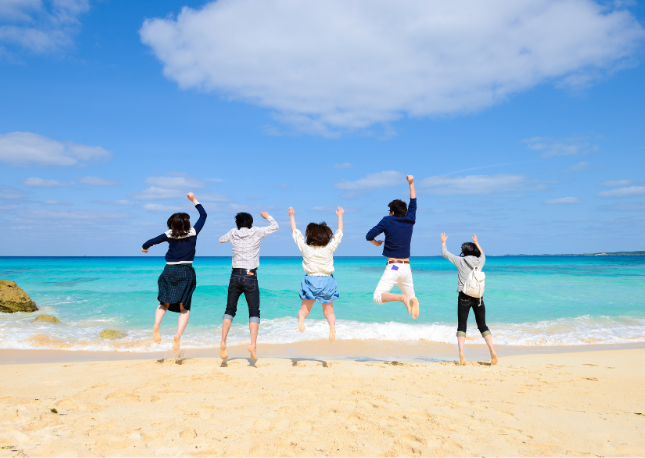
319, 285
471, 256
398, 228
177, 282
246, 240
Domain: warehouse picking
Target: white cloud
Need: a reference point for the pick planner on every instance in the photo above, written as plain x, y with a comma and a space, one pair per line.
212, 197
473, 184
560, 147
55, 202
120, 203
168, 187
385, 179
155, 193
41, 27
616, 183
34, 182
23, 149
563, 200
349, 64
158, 208
96, 181
10, 193
344, 165
579, 167
623, 192
175, 182
626, 207
76, 215
251, 208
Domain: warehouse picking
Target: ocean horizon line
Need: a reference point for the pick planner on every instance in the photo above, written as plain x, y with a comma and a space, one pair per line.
621, 254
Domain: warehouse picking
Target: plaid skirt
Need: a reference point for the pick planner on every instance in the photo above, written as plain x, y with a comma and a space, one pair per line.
177, 284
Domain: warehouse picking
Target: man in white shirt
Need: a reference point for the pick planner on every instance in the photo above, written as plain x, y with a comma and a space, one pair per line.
246, 240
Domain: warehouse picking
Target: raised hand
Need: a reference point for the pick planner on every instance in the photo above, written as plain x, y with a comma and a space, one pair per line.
145, 250
410, 179
444, 237
475, 239
340, 211
291, 211
191, 197
264, 215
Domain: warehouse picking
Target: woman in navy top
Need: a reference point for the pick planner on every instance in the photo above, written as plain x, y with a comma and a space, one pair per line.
178, 281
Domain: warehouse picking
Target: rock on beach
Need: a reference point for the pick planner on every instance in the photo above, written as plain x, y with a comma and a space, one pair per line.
14, 299
112, 334
46, 319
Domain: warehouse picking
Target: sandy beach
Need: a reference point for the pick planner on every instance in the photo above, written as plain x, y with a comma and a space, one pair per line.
580, 403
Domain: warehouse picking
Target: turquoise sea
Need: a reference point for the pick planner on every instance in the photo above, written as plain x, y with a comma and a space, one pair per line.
529, 301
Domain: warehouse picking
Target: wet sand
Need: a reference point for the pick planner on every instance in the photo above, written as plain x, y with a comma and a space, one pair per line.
579, 403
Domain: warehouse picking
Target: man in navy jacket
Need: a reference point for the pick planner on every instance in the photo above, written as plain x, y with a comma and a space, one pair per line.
398, 228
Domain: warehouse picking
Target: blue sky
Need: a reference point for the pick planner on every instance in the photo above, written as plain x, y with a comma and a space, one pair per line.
521, 121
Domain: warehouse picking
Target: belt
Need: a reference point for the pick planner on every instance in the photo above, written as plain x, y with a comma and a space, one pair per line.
243, 270
398, 262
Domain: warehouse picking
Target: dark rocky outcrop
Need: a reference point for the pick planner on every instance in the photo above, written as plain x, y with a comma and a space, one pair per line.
112, 334
14, 299
46, 319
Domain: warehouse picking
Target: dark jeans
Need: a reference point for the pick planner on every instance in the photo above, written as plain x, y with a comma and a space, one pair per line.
464, 304
243, 282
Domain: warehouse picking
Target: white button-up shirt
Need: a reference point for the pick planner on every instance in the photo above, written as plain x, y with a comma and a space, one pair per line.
246, 243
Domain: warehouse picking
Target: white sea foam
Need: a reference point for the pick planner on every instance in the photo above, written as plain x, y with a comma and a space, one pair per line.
19, 333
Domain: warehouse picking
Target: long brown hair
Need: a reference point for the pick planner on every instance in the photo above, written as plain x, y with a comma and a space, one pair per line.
318, 234
179, 224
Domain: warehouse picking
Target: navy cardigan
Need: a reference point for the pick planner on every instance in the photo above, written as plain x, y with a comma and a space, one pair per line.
181, 250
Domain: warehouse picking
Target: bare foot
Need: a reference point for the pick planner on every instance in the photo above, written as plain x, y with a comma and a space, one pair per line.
175, 345
332, 332
156, 335
222, 351
406, 302
462, 359
415, 307
493, 359
252, 351
301, 324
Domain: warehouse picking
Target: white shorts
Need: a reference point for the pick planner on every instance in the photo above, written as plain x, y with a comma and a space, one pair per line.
395, 274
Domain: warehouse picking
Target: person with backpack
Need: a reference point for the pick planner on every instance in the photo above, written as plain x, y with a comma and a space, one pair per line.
470, 285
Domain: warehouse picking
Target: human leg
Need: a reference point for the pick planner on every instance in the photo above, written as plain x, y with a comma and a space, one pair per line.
406, 285
159, 314
460, 342
463, 309
480, 317
328, 311
305, 310
182, 322
388, 280
252, 296
234, 292
226, 326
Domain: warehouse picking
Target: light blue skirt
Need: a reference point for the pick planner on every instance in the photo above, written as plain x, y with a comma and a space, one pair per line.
321, 289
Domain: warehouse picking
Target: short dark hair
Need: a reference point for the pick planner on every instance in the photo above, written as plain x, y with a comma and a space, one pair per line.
318, 234
179, 224
470, 249
243, 219
398, 207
